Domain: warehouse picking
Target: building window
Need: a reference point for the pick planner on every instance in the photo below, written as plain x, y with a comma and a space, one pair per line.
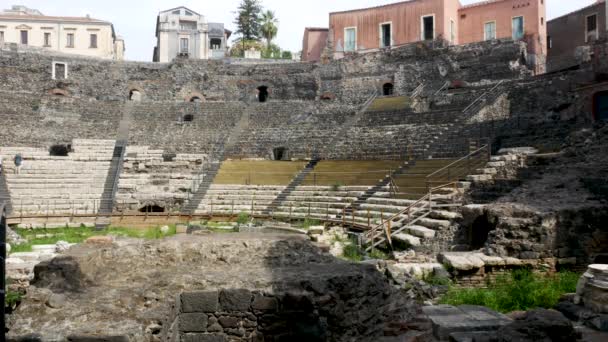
489, 31
549, 42
215, 43
188, 13
385, 35
24, 37
452, 31
183, 45
175, 12
428, 27
70, 40
60, 71
350, 39
47, 39
1, 37
591, 31
518, 28
93, 41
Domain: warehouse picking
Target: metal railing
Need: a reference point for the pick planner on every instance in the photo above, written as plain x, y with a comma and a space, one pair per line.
416, 92
405, 218
460, 168
483, 98
443, 88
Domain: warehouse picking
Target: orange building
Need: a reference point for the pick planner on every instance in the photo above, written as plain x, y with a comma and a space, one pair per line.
315, 40
392, 25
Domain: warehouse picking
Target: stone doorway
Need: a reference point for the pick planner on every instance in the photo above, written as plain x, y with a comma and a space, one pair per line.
600, 106
388, 89
263, 94
279, 153
479, 231
152, 208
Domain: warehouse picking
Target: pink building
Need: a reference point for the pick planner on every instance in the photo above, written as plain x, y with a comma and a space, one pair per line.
315, 40
392, 25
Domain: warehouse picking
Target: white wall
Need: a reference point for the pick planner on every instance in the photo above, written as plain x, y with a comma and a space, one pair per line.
59, 32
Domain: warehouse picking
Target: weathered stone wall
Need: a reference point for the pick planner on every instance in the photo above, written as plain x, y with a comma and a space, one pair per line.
244, 315
351, 78
155, 178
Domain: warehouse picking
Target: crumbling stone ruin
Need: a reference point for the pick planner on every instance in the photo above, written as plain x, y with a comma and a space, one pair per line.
471, 168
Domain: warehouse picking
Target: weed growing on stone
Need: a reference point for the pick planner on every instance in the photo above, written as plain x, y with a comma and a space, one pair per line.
517, 291
336, 186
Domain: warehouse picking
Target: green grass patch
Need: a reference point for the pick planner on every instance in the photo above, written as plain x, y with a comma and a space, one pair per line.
519, 290
352, 252
78, 235
378, 254
307, 223
243, 218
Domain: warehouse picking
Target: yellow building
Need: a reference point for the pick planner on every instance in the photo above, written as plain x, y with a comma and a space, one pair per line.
73, 35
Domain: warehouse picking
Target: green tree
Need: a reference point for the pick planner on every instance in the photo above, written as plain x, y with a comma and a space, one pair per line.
248, 21
240, 46
287, 55
272, 52
269, 27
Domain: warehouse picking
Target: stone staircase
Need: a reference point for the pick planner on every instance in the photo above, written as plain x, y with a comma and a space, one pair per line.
110, 188
208, 173
332, 143
296, 181
377, 188
424, 217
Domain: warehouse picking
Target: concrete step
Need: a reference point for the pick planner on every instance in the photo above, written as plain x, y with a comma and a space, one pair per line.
434, 223
407, 238
421, 232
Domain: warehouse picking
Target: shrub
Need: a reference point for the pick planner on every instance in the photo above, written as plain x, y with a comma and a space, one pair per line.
352, 252
242, 218
519, 290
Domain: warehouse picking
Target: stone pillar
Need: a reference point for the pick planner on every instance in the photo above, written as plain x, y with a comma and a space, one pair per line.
592, 289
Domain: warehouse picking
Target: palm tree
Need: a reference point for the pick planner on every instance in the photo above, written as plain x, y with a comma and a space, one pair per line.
269, 27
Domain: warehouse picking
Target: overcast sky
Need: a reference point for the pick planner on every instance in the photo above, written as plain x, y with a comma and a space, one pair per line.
136, 20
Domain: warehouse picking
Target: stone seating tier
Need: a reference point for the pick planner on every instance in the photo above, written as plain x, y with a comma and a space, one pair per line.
59, 185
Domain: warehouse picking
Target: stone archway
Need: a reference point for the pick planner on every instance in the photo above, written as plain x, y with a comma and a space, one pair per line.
263, 94
136, 94
58, 92
195, 98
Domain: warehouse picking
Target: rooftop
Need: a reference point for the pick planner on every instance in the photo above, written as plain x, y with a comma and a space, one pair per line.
4, 16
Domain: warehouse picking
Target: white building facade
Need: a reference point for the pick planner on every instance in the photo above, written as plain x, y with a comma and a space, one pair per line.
181, 32
72, 35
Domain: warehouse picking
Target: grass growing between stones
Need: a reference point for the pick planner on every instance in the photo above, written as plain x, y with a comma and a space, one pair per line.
519, 290
49, 236
352, 253
307, 223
